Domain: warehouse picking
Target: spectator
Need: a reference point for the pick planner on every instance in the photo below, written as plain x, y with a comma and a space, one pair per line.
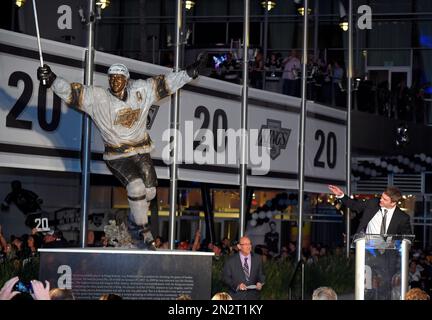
90, 238
337, 74
33, 243
324, 293
184, 245
384, 99
226, 246
55, 239
292, 249
271, 239
256, 75
158, 242
416, 294
290, 75
414, 275
196, 246
284, 254
230, 69
61, 294
402, 100
41, 292
7, 291
221, 296
273, 63
110, 296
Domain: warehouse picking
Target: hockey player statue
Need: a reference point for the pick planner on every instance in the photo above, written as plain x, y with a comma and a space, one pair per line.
120, 114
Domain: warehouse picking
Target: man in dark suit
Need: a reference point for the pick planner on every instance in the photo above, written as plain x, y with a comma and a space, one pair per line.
378, 216
243, 273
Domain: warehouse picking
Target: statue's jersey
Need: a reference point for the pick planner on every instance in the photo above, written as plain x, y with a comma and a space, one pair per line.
122, 124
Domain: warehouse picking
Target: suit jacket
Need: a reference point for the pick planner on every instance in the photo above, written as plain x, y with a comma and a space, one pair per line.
399, 224
233, 275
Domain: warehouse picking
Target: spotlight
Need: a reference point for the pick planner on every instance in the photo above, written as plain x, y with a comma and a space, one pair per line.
189, 4
300, 7
20, 3
103, 3
402, 137
356, 83
344, 24
301, 10
268, 5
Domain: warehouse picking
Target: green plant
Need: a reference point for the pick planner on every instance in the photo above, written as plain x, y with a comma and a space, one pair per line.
333, 271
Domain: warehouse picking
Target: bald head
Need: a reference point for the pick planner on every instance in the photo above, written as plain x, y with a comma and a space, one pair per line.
245, 246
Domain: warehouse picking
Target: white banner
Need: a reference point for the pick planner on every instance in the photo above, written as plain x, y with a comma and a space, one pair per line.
37, 131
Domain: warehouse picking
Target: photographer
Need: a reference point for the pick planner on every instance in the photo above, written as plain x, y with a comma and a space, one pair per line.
35, 289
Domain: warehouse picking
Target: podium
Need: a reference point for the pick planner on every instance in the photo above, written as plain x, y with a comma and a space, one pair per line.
381, 266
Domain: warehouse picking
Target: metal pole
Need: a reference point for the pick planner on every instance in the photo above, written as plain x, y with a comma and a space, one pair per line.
424, 221
316, 24
302, 280
360, 276
38, 38
348, 135
244, 123
86, 134
302, 130
153, 49
174, 127
37, 33
404, 267
265, 43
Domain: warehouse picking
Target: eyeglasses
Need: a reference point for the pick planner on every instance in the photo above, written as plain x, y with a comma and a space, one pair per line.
245, 244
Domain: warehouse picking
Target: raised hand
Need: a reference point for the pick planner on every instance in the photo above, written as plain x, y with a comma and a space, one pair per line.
336, 190
195, 69
39, 291
6, 292
46, 76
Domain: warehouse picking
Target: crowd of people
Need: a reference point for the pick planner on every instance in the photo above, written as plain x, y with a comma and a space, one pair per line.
326, 84
21, 249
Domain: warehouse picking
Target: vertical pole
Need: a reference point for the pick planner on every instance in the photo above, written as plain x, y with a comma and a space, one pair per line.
404, 267
360, 269
302, 130
86, 134
424, 221
316, 24
265, 45
153, 49
244, 123
208, 213
174, 114
143, 30
348, 134
302, 280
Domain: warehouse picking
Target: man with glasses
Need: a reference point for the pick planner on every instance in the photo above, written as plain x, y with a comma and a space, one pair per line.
243, 273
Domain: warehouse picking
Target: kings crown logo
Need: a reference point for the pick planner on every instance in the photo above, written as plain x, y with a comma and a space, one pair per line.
276, 139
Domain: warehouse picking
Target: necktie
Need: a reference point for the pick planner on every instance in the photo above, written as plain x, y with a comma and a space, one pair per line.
246, 269
383, 223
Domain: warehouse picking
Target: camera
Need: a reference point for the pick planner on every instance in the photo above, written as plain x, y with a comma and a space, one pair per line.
23, 287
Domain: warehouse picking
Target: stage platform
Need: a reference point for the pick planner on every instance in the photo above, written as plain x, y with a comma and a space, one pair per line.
130, 273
